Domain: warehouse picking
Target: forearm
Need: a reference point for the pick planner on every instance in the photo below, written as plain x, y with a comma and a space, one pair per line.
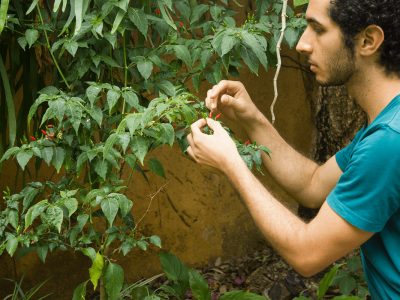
293, 171
283, 229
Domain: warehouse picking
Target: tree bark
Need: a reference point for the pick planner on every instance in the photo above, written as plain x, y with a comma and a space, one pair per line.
337, 119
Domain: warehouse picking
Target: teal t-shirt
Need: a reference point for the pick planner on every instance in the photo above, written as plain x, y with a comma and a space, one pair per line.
368, 197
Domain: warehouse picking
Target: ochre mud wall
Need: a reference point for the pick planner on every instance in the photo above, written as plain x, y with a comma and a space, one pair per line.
196, 212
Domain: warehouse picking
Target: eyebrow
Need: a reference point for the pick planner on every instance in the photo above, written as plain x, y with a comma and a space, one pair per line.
311, 20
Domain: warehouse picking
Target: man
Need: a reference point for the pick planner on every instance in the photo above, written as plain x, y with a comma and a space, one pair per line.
351, 42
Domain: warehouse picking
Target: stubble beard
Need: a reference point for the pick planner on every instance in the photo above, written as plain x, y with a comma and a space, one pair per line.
340, 69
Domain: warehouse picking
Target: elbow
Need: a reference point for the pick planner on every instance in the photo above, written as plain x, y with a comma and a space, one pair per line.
308, 265
306, 271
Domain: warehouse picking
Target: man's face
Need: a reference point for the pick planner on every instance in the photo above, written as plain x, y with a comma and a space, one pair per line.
322, 42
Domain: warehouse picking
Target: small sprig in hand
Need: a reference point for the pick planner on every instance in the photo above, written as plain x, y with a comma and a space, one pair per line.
249, 151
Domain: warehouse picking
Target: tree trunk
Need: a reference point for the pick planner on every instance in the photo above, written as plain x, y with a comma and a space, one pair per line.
337, 119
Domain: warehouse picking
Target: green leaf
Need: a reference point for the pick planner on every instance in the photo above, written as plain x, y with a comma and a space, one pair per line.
72, 205
12, 244
89, 252
198, 12
23, 157
173, 268
33, 5
156, 167
326, 281
182, 52
58, 158
101, 168
78, 14
96, 269
3, 13
80, 292
12, 121
347, 285
97, 114
138, 17
252, 42
155, 240
165, 14
131, 98
47, 154
34, 211
54, 216
22, 42
31, 36
117, 21
112, 98
114, 280
199, 286
13, 218
10, 152
92, 92
291, 36
167, 87
110, 206
145, 68
125, 205
299, 2
56, 5
250, 59
241, 295
228, 42
42, 252
140, 147
72, 47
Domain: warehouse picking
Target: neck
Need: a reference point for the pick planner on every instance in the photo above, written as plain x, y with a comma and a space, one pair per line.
373, 91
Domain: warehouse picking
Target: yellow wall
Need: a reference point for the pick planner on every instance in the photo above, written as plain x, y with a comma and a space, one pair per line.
198, 214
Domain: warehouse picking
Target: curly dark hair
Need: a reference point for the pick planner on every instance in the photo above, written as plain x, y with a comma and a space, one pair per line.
353, 16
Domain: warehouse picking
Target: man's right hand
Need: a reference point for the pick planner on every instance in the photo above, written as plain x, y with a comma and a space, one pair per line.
232, 100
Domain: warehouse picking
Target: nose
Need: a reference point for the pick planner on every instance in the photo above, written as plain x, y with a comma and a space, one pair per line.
303, 45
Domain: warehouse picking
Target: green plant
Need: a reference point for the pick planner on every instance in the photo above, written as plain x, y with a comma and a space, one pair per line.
115, 80
347, 277
18, 292
184, 283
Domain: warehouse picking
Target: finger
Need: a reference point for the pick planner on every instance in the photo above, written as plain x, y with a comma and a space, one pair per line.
190, 152
211, 100
214, 125
230, 87
227, 100
190, 139
196, 126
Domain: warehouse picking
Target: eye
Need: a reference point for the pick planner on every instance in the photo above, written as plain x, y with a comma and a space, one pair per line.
318, 29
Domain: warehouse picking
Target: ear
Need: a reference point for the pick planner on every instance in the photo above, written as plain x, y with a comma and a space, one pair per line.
370, 40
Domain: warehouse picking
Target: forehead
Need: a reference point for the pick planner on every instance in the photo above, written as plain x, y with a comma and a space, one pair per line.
318, 11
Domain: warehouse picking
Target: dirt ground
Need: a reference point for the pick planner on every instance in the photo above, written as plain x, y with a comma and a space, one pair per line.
263, 272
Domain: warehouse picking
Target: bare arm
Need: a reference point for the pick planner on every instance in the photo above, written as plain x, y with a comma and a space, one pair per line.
308, 182
310, 247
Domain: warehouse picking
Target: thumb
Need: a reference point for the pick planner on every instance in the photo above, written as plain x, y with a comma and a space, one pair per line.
214, 125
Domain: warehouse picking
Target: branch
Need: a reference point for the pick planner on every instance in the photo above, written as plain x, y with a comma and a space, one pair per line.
278, 54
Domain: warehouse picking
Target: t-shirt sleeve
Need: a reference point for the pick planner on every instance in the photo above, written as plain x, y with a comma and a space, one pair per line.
367, 193
343, 156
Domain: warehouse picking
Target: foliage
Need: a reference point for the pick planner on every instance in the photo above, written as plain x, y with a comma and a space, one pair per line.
182, 282
18, 292
103, 84
348, 277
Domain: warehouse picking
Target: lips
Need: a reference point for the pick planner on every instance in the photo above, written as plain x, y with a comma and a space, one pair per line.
312, 65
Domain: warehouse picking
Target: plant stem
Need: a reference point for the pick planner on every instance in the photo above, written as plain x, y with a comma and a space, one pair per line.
278, 54
125, 71
51, 52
